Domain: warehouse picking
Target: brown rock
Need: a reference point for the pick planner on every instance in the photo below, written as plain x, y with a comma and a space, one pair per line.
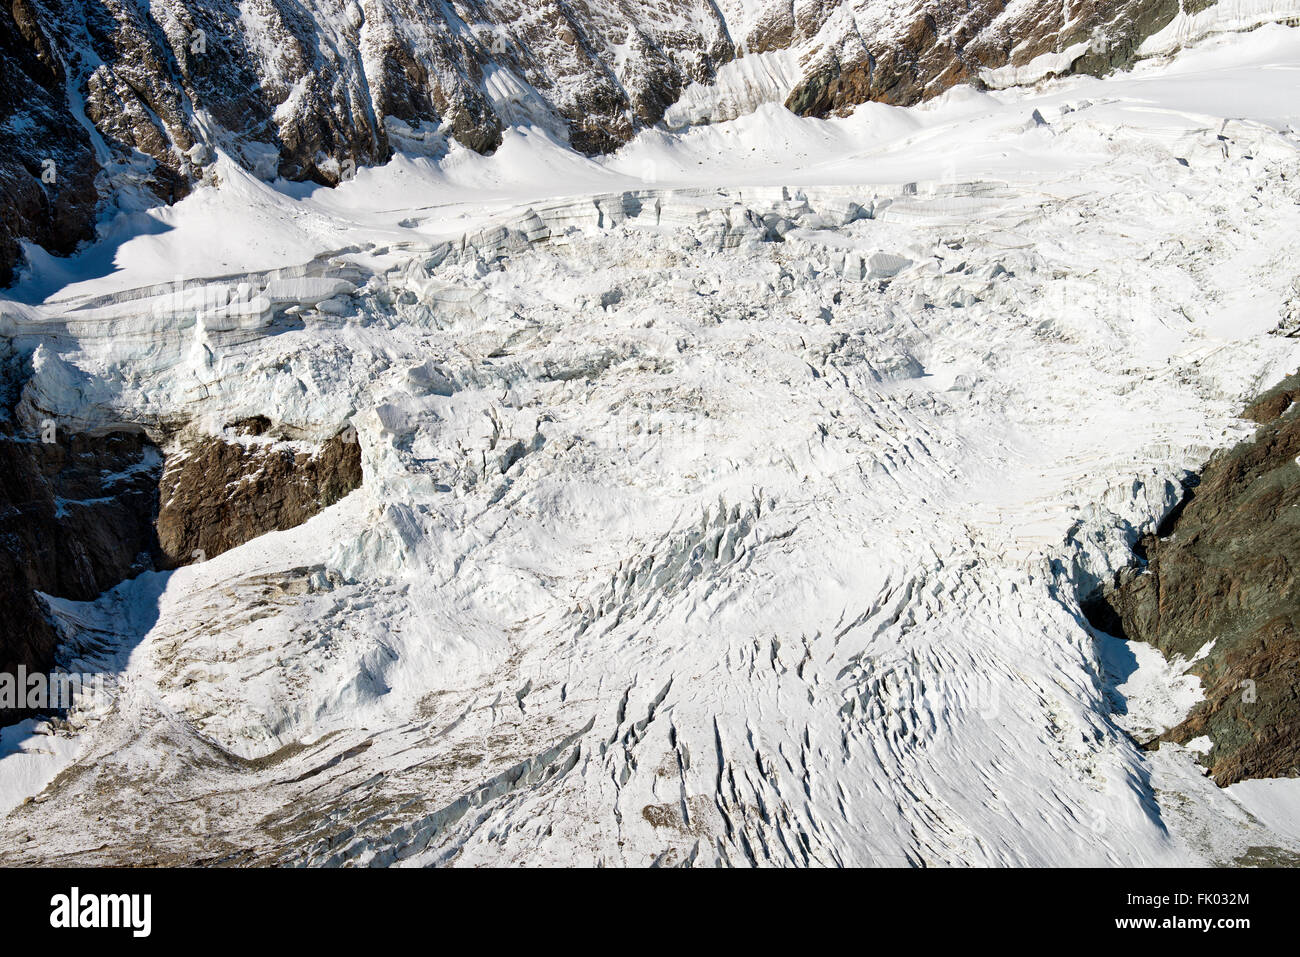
216, 494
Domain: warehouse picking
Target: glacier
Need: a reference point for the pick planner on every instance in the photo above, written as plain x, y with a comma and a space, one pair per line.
728, 499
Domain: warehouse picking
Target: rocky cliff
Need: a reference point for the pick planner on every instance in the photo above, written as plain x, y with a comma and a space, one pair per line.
76, 517
1221, 571
112, 104
218, 492
82, 511
903, 57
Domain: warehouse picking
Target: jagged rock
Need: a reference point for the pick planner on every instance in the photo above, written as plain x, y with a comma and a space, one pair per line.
906, 59
217, 493
1223, 568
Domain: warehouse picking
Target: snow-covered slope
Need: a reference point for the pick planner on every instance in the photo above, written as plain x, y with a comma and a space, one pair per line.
112, 106
727, 499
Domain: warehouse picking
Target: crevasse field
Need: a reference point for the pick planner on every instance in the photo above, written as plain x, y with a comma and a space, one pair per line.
728, 500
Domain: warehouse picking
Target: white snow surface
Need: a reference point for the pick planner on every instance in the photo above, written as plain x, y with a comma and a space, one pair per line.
727, 500
31, 754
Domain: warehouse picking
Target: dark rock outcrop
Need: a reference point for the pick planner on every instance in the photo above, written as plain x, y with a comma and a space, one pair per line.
76, 518
84, 512
47, 164
1224, 567
217, 493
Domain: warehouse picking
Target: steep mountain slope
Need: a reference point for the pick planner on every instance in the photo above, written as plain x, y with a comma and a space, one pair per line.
740, 517
1216, 587
117, 104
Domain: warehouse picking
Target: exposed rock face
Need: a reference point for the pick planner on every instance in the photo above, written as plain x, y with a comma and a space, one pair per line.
78, 514
219, 492
1223, 567
130, 101
76, 517
53, 206
81, 512
905, 59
